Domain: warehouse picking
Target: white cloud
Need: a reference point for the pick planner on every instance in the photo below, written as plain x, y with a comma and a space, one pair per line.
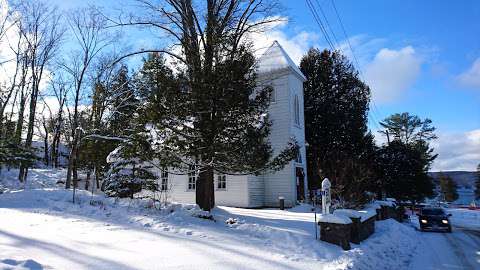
364, 47
457, 151
471, 77
392, 72
296, 46
9, 43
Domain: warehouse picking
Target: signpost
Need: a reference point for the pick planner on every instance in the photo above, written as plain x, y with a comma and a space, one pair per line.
326, 196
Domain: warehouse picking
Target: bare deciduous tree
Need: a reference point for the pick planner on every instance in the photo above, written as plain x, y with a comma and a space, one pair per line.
88, 28
203, 36
42, 32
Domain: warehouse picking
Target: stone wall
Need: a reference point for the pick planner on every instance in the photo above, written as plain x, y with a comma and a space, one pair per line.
338, 234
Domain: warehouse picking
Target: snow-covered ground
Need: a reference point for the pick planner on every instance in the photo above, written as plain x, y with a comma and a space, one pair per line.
40, 228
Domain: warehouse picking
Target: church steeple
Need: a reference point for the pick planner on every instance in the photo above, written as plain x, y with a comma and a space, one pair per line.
276, 59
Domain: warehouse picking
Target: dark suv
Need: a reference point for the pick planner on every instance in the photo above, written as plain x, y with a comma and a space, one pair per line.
434, 219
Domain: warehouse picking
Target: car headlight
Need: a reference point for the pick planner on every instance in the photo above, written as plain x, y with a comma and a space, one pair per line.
423, 221
444, 221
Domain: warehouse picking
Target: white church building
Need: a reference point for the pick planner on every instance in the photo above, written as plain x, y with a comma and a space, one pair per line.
274, 68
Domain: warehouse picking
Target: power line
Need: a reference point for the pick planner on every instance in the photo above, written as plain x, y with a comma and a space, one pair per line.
328, 25
320, 24
346, 35
374, 107
374, 112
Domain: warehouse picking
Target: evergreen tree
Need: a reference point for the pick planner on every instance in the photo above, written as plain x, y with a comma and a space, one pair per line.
404, 172
336, 109
110, 121
128, 177
14, 155
405, 160
131, 168
448, 188
408, 128
122, 102
216, 120
212, 115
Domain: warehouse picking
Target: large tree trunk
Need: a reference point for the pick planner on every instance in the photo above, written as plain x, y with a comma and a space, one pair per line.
68, 182
205, 193
97, 177
55, 148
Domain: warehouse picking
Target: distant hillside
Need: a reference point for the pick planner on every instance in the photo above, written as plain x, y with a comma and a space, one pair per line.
462, 178
465, 182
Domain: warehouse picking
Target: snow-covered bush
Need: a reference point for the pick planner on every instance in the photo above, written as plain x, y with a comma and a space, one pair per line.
127, 177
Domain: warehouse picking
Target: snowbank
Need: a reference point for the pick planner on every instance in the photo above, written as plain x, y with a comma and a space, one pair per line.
103, 233
392, 246
465, 218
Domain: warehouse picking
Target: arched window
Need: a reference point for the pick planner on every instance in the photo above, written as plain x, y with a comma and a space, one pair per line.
296, 108
298, 157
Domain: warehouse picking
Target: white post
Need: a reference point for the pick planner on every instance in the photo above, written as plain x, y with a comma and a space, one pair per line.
326, 198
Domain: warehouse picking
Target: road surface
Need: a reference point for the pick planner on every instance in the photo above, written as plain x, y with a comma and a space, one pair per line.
457, 250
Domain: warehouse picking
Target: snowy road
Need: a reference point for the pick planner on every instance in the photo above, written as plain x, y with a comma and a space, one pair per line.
457, 250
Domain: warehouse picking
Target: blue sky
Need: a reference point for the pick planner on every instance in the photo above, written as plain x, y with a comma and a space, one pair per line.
417, 56
445, 35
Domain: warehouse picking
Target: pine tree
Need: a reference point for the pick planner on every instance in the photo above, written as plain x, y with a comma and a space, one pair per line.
14, 155
407, 128
218, 122
336, 108
114, 104
123, 103
404, 172
211, 115
131, 169
406, 157
126, 178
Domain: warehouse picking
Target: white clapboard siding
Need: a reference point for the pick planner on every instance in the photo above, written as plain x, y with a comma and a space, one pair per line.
296, 88
256, 191
236, 192
280, 72
275, 69
279, 183
233, 195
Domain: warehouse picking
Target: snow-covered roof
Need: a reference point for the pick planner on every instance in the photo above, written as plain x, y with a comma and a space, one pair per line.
276, 59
